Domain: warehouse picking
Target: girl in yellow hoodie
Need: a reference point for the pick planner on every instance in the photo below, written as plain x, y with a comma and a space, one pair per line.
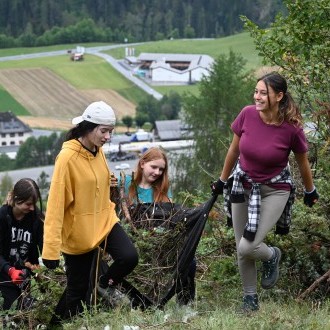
80, 216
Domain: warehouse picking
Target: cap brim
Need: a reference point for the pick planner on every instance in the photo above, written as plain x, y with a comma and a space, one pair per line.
77, 120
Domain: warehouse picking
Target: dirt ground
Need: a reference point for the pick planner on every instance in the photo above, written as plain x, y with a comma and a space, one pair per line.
46, 123
51, 101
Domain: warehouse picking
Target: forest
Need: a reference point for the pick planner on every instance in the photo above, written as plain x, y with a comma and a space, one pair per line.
32, 21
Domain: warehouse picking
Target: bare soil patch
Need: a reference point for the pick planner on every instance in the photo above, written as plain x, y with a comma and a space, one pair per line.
52, 101
120, 105
46, 123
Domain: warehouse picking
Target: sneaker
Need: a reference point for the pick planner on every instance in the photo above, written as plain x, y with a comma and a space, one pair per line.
250, 304
111, 295
270, 270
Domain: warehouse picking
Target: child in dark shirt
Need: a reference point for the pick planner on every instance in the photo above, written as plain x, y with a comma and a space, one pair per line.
21, 240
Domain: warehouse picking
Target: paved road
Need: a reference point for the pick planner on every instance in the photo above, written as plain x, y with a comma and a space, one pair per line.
128, 75
97, 51
34, 173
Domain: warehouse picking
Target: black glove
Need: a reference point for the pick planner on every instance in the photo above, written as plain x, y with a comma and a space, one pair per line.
310, 198
51, 264
217, 187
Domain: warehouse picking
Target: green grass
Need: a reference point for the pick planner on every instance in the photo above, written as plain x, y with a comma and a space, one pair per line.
32, 50
178, 89
92, 73
274, 313
217, 306
95, 72
241, 43
8, 103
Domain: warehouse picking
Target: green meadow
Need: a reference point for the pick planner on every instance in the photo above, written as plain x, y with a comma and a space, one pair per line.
93, 72
8, 102
240, 43
32, 50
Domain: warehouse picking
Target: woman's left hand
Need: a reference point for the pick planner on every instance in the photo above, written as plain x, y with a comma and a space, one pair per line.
310, 198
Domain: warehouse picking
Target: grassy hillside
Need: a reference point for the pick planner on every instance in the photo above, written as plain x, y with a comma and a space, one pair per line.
33, 50
92, 73
8, 102
95, 73
241, 43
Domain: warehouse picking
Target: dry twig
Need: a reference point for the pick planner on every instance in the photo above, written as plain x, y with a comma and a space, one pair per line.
315, 284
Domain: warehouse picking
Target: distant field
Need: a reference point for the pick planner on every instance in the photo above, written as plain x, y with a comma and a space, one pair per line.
78, 83
9, 103
32, 50
178, 89
92, 73
240, 43
52, 99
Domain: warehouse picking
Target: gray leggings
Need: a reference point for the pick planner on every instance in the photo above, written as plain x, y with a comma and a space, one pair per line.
272, 205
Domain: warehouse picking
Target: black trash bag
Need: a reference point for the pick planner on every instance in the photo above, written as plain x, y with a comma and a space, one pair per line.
151, 215
167, 249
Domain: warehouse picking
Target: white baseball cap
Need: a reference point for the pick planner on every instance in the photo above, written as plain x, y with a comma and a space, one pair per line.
98, 113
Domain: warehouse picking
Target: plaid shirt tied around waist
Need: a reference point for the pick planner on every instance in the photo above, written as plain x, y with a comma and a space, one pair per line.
234, 193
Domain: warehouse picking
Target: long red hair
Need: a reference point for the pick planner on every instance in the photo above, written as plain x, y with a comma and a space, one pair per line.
160, 186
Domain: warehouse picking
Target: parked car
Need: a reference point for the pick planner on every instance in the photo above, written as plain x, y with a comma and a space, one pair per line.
122, 166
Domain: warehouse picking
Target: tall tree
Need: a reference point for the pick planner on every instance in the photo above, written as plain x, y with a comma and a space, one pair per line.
5, 162
143, 20
150, 107
43, 184
209, 115
6, 185
299, 45
27, 154
127, 121
170, 105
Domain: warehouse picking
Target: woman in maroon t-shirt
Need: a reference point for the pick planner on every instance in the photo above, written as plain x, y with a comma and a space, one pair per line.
262, 189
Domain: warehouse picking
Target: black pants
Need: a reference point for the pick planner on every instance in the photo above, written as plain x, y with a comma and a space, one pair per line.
11, 292
78, 270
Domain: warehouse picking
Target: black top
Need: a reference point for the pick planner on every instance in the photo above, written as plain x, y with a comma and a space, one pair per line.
20, 241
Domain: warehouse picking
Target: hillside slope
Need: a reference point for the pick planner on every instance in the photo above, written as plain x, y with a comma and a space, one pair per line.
53, 101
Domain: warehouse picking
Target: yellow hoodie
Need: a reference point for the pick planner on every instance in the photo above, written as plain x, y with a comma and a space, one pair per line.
79, 212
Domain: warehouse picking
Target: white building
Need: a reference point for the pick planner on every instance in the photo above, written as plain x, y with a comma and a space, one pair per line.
169, 130
180, 68
13, 132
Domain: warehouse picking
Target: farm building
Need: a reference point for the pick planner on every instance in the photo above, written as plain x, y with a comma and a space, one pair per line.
167, 130
13, 132
175, 68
